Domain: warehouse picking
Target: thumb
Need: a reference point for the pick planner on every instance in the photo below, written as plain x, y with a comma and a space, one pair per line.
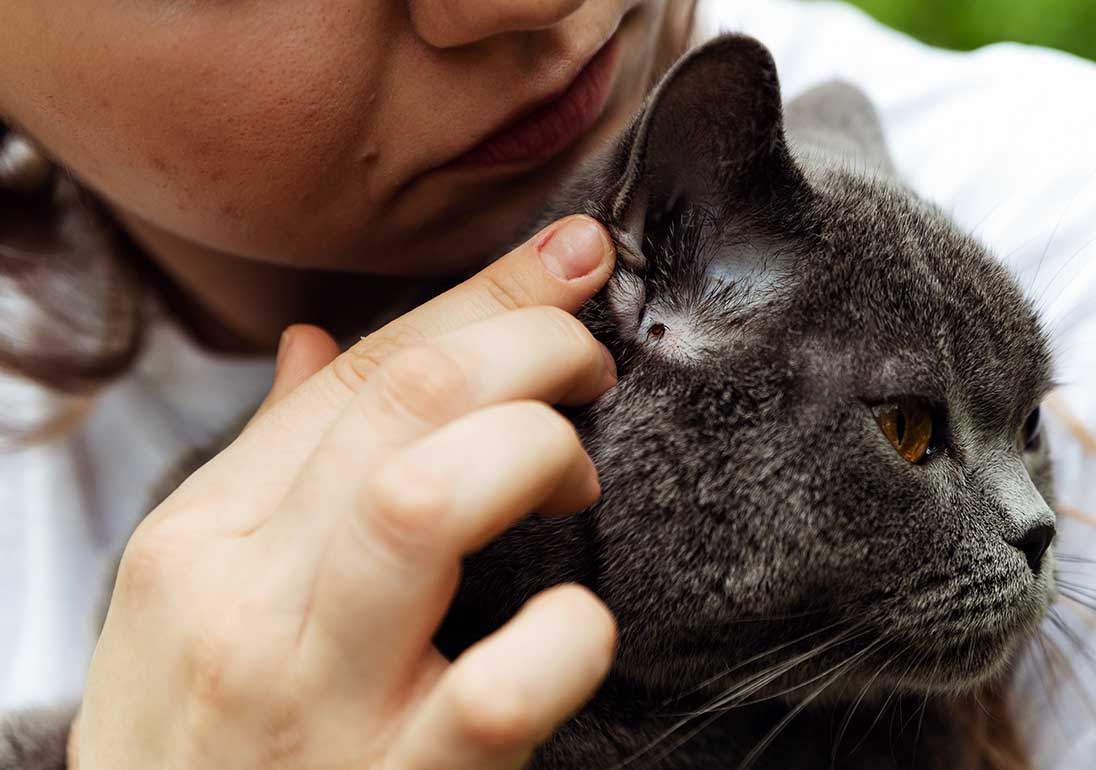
302, 351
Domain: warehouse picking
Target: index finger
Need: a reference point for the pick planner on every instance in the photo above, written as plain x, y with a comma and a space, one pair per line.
563, 265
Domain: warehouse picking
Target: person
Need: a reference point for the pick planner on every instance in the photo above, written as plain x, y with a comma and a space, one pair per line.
257, 165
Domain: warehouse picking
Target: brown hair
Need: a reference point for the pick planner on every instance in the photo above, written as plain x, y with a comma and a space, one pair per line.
70, 309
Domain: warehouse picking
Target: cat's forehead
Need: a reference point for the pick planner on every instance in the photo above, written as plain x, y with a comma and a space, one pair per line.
900, 284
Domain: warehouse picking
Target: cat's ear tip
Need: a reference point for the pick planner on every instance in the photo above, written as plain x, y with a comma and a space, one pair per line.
742, 47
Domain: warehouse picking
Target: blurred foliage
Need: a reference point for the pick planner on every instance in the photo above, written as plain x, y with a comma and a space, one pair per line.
1066, 24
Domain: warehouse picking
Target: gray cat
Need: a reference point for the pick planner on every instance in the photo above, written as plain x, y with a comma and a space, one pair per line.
824, 522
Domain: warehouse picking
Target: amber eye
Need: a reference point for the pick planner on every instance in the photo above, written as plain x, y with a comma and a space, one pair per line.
910, 427
1033, 432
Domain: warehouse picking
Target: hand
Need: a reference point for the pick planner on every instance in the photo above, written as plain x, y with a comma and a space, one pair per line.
277, 610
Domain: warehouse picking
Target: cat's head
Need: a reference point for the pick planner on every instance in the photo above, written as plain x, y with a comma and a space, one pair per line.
826, 421
825, 435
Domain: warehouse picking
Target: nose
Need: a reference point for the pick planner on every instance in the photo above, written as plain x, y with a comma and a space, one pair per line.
1034, 544
450, 23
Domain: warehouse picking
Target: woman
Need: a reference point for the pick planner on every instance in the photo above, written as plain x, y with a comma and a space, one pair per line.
256, 158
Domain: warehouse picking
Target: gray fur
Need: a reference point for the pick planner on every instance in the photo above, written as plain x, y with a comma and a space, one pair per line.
36, 739
750, 499
757, 531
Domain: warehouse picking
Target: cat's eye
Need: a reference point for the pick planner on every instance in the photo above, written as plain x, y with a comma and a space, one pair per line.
1033, 430
911, 427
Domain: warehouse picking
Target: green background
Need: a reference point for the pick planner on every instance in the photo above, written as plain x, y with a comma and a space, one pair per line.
1066, 24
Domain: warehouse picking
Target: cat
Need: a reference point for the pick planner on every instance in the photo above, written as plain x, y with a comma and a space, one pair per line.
825, 519
824, 485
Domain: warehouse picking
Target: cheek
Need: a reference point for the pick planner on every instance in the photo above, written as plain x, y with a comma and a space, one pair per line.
224, 122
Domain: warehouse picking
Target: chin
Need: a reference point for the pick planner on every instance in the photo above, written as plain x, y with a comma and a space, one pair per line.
958, 666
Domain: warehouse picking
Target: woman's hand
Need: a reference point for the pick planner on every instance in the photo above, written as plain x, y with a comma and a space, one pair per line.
277, 610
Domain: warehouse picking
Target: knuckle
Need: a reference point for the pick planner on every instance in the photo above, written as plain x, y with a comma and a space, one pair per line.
493, 716
404, 512
349, 372
356, 366
571, 330
210, 662
423, 383
143, 566
505, 291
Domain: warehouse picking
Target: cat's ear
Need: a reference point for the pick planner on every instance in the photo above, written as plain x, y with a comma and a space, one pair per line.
837, 121
710, 133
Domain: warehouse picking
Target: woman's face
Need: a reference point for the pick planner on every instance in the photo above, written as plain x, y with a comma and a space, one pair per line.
351, 134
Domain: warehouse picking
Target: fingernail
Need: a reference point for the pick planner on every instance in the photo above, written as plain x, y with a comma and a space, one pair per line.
610, 368
574, 249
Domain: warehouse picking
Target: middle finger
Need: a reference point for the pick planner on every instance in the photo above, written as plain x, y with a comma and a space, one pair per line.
540, 353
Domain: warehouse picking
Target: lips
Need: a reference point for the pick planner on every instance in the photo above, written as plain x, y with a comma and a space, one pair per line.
550, 127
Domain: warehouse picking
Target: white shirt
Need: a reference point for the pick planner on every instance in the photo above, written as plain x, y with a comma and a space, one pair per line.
1001, 138
67, 507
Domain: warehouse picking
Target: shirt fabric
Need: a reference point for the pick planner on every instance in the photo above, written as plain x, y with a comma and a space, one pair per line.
1000, 138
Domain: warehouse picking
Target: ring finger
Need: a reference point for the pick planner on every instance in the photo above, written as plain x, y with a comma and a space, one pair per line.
391, 565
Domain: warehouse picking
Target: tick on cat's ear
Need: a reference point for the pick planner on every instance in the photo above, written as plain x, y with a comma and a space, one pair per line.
912, 427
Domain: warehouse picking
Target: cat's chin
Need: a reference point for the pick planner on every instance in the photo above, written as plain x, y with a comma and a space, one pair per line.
956, 667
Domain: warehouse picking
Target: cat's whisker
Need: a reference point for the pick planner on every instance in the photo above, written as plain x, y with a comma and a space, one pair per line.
773, 696
883, 708
1065, 663
1054, 234
715, 709
759, 656
972, 231
734, 698
906, 723
836, 673
1074, 558
1040, 302
1075, 597
772, 618
1073, 638
924, 707
856, 704
1073, 585
1072, 574
1050, 683
1043, 666
758, 680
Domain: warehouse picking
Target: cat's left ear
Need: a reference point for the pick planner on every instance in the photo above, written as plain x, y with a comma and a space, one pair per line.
710, 134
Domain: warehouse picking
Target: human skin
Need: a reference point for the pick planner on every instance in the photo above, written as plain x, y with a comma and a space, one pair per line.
234, 138
290, 625
244, 144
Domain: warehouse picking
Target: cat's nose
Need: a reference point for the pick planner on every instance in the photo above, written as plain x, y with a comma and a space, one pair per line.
1034, 544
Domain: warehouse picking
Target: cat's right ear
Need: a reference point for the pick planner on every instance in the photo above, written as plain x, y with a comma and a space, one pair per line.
837, 121
710, 134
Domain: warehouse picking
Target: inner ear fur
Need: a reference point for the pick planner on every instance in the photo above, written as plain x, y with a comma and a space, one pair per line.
710, 135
